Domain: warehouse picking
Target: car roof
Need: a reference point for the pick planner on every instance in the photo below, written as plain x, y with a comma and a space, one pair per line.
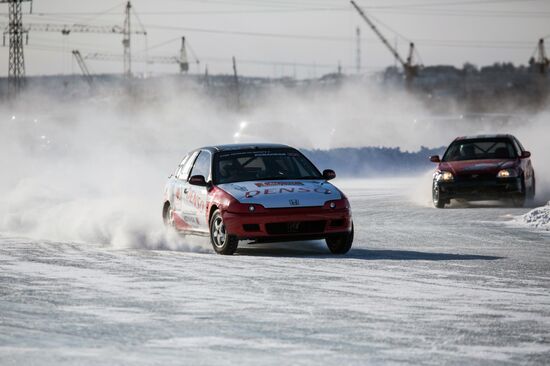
486, 136
252, 146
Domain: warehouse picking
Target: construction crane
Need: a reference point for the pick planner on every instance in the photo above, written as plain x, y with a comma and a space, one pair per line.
65, 30
83, 67
16, 68
410, 69
181, 60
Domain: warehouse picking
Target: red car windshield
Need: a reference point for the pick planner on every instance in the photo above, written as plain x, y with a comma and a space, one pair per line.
480, 149
240, 166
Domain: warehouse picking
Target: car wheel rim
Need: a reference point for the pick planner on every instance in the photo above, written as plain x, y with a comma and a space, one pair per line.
169, 217
218, 232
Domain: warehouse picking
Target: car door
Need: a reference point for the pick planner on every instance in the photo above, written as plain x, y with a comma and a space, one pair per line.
182, 208
198, 195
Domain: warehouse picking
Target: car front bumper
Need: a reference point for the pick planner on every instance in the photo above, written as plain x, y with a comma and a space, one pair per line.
481, 190
284, 224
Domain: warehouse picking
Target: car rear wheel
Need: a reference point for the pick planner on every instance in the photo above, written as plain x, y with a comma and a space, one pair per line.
222, 241
340, 244
436, 197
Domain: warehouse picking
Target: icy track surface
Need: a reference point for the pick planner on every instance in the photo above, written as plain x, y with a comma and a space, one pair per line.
420, 286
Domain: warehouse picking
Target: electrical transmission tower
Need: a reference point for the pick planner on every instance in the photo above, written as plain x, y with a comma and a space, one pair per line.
126, 30
126, 41
236, 79
16, 69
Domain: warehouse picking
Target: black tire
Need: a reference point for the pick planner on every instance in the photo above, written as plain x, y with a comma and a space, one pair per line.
221, 240
519, 199
340, 244
167, 215
436, 199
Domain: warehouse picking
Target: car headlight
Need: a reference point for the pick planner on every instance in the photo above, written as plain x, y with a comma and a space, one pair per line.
445, 177
507, 173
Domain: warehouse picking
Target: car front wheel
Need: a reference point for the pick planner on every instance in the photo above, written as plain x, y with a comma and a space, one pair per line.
340, 244
436, 197
167, 215
519, 199
222, 241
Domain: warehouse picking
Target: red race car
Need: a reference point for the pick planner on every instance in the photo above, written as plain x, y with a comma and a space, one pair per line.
258, 192
484, 167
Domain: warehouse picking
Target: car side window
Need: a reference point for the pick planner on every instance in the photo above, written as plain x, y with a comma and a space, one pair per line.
202, 165
184, 171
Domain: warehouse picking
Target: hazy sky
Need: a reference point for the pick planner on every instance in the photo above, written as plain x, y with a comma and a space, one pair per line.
302, 38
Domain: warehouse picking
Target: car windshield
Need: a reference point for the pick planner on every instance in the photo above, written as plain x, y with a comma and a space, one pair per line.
240, 166
480, 149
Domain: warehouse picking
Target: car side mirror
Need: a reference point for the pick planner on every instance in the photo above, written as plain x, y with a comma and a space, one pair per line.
197, 180
435, 159
329, 174
525, 154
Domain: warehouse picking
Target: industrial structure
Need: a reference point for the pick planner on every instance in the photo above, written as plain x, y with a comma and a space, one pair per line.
126, 30
16, 32
410, 69
182, 59
83, 67
541, 61
236, 81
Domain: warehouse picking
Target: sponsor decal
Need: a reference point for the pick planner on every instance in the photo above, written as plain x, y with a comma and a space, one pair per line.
252, 153
294, 202
274, 184
195, 200
270, 154
269, 191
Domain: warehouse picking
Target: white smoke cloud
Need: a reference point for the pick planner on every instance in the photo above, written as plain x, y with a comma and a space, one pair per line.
93, 169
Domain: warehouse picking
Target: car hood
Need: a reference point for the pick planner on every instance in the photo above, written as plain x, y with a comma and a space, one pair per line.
477, 166
279, 194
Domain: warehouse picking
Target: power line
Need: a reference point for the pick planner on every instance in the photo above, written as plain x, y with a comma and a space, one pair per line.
385, 10
504, 44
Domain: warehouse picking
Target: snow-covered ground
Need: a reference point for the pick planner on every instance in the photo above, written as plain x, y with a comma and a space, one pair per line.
538, 218
420, 286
